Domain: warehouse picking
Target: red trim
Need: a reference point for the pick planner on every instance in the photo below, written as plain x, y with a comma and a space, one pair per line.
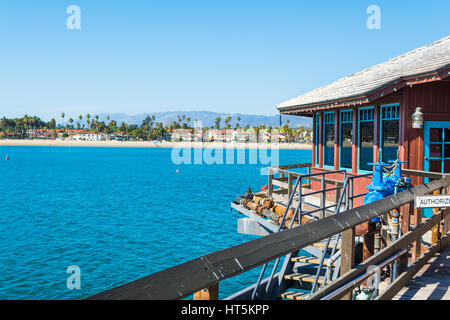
378, 93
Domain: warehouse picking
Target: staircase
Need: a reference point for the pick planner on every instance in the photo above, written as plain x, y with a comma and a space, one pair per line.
305, 269
304, 272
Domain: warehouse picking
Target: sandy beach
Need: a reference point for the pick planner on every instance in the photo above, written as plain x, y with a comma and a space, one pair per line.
149, 144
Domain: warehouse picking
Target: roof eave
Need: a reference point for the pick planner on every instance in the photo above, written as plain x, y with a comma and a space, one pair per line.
368, 97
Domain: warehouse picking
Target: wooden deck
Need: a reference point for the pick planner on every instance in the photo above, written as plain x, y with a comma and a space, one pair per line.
432, 282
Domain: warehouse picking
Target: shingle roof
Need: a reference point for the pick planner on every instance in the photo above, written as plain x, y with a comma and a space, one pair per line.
423, 60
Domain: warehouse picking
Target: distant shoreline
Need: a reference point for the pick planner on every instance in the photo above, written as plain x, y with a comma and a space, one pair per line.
151, 144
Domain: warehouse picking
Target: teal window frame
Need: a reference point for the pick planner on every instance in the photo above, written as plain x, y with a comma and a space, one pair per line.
364, 116
328, 118
426, 152
428, 143
345, 116
316, 139
388, 112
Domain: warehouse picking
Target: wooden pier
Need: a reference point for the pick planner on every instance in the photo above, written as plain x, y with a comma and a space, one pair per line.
432, 282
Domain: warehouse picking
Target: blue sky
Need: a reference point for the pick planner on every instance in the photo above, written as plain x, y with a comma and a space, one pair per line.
224, 56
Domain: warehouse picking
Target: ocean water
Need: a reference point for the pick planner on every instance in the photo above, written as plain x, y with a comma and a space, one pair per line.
117, 213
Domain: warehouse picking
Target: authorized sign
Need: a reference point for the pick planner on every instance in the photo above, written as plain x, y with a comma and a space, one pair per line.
432, 201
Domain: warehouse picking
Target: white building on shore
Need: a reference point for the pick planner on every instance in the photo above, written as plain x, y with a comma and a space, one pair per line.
90, 137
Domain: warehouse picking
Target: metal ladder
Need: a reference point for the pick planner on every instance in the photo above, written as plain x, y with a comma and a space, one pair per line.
309, 271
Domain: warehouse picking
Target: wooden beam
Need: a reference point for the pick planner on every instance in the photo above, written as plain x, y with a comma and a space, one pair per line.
347, 254
417, 246
321, 140
289, 181
405, 213
293, 166
270, 182
314, 140
355, 148
376, 135
404, 134
336, 140
425, 174
435, 229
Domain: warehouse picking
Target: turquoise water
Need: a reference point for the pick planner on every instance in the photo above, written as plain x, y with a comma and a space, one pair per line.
117, 213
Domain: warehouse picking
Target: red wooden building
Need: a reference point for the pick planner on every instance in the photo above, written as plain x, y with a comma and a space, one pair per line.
368, 116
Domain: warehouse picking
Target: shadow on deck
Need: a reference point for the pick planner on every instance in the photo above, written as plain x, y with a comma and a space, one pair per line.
432, 282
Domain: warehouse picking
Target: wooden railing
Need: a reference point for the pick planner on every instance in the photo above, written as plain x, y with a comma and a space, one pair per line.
440, 225
287, 178
207, 271
347, 282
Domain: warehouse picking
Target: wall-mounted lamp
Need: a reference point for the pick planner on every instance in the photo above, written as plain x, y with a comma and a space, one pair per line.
417, 118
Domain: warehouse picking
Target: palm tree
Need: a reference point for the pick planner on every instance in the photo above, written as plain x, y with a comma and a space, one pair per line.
227, 122
218, 119
238, 124
123, 127
62, 117
71, 121
256, 129
52, 124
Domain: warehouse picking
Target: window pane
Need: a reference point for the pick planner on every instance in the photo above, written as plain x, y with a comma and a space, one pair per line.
436, 150
390, 140
447, 151
435, 135
316, 139
436, 165
446, 166
447, 135
346, 145
329, 145
365, 145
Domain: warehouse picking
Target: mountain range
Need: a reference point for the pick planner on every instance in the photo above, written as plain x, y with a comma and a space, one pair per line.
208, 118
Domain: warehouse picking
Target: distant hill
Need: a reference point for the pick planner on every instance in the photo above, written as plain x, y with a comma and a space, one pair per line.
208, 118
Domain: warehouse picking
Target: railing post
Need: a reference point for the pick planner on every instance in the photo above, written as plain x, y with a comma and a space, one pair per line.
290, 184
211, 293
270, 183
323, 196
404, 227
309, 171
435, 229
417, 245
337, 193
446, 222
347, 255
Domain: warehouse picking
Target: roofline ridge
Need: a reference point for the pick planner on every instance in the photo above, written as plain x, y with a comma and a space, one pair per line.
447, 38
